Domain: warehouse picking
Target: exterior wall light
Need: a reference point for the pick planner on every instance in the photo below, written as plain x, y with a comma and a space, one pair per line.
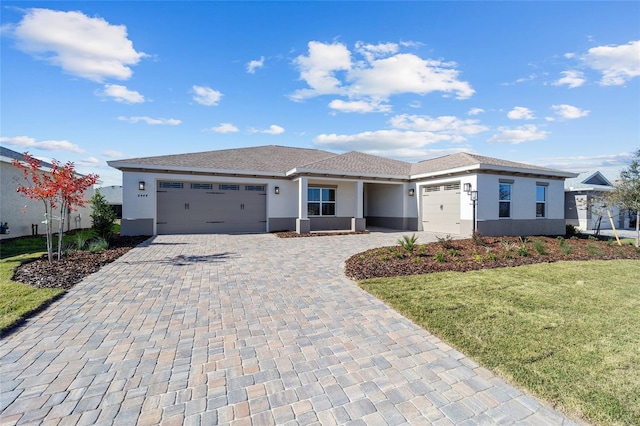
412, 192
276, 190
141, 185
467, 187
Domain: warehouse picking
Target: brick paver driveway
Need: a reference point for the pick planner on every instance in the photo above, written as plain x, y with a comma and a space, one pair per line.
247, 329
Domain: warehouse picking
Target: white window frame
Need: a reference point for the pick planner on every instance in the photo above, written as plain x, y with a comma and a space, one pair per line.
322, 201
544, 200
506, 201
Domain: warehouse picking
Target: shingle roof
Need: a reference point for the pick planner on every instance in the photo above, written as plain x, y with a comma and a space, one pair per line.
465, 159
359, 162
588, 181
271, 158
278, 160
8, 153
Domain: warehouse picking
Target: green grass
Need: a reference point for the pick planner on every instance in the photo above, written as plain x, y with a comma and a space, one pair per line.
17, 300
566, 331
26, 245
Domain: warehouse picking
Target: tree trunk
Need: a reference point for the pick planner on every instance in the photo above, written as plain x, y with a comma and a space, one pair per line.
638, 228
47, 221
61, 230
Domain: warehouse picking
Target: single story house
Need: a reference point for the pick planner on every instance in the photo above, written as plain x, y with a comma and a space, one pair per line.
584, 205
277, 188
23, 216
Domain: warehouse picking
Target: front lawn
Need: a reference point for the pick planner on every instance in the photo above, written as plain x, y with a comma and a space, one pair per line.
18, 300
567, 331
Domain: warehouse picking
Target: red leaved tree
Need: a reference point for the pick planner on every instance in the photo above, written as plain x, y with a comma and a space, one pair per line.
61, 189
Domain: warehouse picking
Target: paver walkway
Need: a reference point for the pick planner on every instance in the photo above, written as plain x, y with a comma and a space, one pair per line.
247, 329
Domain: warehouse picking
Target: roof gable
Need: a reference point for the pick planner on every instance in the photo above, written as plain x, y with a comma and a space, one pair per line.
588, 181
359, 162
465, 160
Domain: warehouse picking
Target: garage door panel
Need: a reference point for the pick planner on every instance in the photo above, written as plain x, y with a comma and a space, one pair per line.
210, 208
441, 208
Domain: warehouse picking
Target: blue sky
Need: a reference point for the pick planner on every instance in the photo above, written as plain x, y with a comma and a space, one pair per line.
547, 83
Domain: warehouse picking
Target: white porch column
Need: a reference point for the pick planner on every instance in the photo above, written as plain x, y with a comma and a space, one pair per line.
303, 224
358, 221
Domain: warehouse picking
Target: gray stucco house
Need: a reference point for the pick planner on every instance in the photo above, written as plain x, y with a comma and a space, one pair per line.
585, 207
276, 188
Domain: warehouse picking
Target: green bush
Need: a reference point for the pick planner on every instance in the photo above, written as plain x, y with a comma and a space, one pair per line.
570, 230
408, 242
102, 216
440, 257
98, 245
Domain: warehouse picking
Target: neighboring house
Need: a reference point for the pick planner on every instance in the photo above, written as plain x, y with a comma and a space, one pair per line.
584, 205
21, 214
113, 195
276, 188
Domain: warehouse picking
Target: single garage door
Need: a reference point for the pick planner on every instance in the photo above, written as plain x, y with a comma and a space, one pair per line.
441, 208
210, 208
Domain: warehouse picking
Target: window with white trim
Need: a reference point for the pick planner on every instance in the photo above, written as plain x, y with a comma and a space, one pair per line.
504, 209
541, 201
321, 201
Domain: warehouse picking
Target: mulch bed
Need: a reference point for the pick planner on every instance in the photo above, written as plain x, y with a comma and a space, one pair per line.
490, 252
73, 267
291, 234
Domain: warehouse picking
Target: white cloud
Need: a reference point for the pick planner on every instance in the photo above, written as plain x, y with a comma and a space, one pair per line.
359, 106
255, 64
87, 47
518, 135
89, 162
572, 79
225, 128
455, 128
373, 51
112, 154
569, 112
206, 95
618, 64
380, 73
582, 163
319, 68
475, 111
151, 121
51, 145
520, 113
122, 94
380, 140
274, 129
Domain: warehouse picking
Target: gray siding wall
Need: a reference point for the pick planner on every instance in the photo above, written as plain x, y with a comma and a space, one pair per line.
522, 227
402, 223
136, 227
278, 224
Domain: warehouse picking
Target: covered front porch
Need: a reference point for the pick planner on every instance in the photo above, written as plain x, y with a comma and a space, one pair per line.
330, 204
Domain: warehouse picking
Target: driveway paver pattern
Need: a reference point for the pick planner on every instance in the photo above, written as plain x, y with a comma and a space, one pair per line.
243, 330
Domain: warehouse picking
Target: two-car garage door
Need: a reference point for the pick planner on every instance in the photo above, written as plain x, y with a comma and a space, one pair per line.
441, 208
210, 208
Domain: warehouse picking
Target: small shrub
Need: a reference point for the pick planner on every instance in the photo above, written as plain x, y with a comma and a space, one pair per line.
384, 258
477, 238
98, 245
522, 251
570, 230
408, 242
508, 255
566, 248
490, 256
418, 260
102, 216
422, 251
453, 252
538, 245
592, 238
446, 242
594, 250
399, 255
440, 257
